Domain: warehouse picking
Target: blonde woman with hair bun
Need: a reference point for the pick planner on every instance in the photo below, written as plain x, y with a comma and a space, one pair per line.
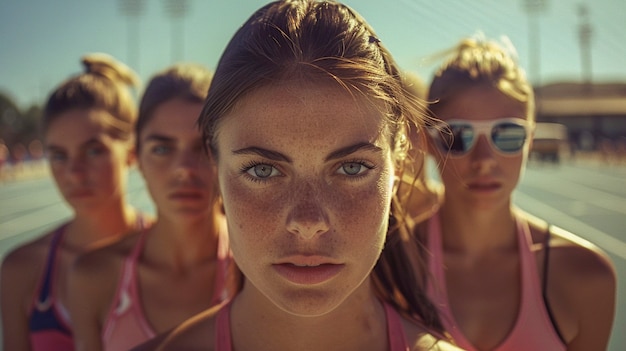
88, 128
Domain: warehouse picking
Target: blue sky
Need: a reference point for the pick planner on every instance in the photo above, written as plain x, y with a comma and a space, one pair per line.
41, 41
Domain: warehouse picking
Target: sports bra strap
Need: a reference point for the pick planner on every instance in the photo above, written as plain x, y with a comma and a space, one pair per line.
44, 292
544, 287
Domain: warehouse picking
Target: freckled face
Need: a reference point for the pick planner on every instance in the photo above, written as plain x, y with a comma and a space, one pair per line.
88, 165
305, 172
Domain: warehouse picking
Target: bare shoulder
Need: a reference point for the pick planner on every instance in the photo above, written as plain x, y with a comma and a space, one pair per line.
95, 274
197, 333
581, 266
571, 254
24, 264
420, 339
106, 255
572, 257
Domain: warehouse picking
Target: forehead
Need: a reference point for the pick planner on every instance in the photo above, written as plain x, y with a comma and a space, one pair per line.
297, 114
174, 117
481, 102
77, 124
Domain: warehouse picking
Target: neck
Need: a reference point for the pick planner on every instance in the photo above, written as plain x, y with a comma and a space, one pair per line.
358, 323
179, 244
86, 229
476, 231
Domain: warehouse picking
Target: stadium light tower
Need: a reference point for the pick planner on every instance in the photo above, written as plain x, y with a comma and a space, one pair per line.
533, 8
132, 9
177, 9
584, 35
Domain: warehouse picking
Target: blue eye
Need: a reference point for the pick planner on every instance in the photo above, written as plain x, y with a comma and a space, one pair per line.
354, 168
160, 149
351, 168
94, 151
262, 171
56, 156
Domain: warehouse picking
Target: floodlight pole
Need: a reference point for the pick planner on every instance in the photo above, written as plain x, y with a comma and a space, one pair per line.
132, 9
584, 35
177, 10
533, 8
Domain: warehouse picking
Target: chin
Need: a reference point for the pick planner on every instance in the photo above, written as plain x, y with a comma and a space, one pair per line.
309, 303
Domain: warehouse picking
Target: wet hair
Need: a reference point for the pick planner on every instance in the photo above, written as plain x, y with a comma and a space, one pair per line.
475, 61
327, 41
186, 81
105, 85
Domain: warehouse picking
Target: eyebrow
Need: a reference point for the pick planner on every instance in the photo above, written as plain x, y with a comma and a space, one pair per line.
52, 147
255, 150
277, 156
348, 150
158, 137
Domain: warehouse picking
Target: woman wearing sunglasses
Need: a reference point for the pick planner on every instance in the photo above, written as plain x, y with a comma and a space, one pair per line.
502, 279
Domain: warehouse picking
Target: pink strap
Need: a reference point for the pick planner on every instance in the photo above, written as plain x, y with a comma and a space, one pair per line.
222, 332
395, 331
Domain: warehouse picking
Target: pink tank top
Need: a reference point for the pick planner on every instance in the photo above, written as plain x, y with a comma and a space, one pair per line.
126, 325
533, 329
395, 331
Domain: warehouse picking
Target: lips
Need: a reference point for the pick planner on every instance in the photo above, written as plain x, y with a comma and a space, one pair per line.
484, 185
187, 195
308, 270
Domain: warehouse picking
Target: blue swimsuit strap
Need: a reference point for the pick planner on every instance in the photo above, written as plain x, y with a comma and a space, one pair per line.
50, 264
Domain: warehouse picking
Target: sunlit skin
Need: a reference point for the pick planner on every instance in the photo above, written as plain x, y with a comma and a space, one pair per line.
177, 267
88, 165
175, 165
479, 238
285, 176
484, 179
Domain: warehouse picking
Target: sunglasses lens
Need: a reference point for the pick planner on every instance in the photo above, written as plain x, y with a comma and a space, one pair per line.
461, 138
508, 137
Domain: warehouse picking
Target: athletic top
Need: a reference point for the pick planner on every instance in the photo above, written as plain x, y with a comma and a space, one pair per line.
395, 331
126, 325
49, 322
533, 329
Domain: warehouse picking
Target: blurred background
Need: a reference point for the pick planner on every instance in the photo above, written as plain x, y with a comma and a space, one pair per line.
574, 52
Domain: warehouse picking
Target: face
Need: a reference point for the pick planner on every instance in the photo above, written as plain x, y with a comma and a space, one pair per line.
88, 165
305, 173
172, 159
483, 178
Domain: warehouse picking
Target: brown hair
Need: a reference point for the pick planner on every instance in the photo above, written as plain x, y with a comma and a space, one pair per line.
326, 40
104, 85
185, 80
476, 61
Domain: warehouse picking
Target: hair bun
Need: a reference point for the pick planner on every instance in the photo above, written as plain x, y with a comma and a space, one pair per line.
107, 66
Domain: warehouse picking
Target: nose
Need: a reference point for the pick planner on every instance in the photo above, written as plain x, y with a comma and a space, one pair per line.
77, 167
187, 163
307, 218
482, 154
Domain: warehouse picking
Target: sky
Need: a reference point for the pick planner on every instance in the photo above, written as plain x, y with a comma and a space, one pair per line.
41, 41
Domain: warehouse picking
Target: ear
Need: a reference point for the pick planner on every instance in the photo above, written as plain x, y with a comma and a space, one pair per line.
131, 156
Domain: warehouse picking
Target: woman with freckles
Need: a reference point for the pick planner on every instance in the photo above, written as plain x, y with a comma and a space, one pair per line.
127, 292
305, 119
